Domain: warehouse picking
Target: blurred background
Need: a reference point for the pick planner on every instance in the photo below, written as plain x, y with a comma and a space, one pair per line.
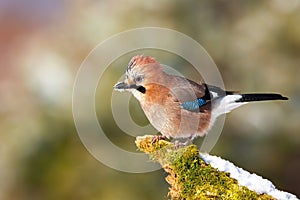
255, 44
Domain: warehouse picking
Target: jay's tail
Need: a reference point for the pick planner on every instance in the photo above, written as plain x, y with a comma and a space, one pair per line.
260, 97
231, 101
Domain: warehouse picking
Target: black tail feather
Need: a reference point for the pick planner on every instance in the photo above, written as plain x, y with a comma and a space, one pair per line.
261, 97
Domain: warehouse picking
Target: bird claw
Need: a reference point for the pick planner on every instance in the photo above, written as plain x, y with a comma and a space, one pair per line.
156, 138
179, 144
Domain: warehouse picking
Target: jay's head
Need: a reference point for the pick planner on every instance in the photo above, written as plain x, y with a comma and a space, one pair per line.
141, 70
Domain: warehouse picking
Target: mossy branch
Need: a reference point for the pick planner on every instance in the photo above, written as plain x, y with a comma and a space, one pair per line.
190, 177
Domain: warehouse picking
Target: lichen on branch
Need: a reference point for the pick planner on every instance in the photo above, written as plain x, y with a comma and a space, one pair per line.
189, 176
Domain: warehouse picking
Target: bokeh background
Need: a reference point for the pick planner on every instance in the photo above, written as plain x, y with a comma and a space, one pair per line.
255, 44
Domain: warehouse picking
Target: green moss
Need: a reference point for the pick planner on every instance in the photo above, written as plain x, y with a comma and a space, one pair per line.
190, 177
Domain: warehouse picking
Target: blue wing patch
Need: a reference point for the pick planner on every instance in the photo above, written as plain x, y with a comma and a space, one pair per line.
193, 105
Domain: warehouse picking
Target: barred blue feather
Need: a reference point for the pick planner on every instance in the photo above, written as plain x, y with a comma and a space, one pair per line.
193, 105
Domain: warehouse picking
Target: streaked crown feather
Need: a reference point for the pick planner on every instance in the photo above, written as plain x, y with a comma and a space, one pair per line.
141, 60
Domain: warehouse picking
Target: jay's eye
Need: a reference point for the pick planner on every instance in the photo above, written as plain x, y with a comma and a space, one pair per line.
138, 78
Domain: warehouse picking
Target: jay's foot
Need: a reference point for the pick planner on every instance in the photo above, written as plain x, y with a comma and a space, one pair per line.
179, 144
156, 138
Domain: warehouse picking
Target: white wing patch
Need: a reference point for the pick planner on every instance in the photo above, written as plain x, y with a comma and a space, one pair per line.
214, 94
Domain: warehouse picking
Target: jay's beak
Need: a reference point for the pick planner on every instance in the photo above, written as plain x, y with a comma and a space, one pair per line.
124, 86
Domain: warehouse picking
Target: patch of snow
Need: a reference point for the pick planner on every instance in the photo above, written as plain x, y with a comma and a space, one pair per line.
252, 181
